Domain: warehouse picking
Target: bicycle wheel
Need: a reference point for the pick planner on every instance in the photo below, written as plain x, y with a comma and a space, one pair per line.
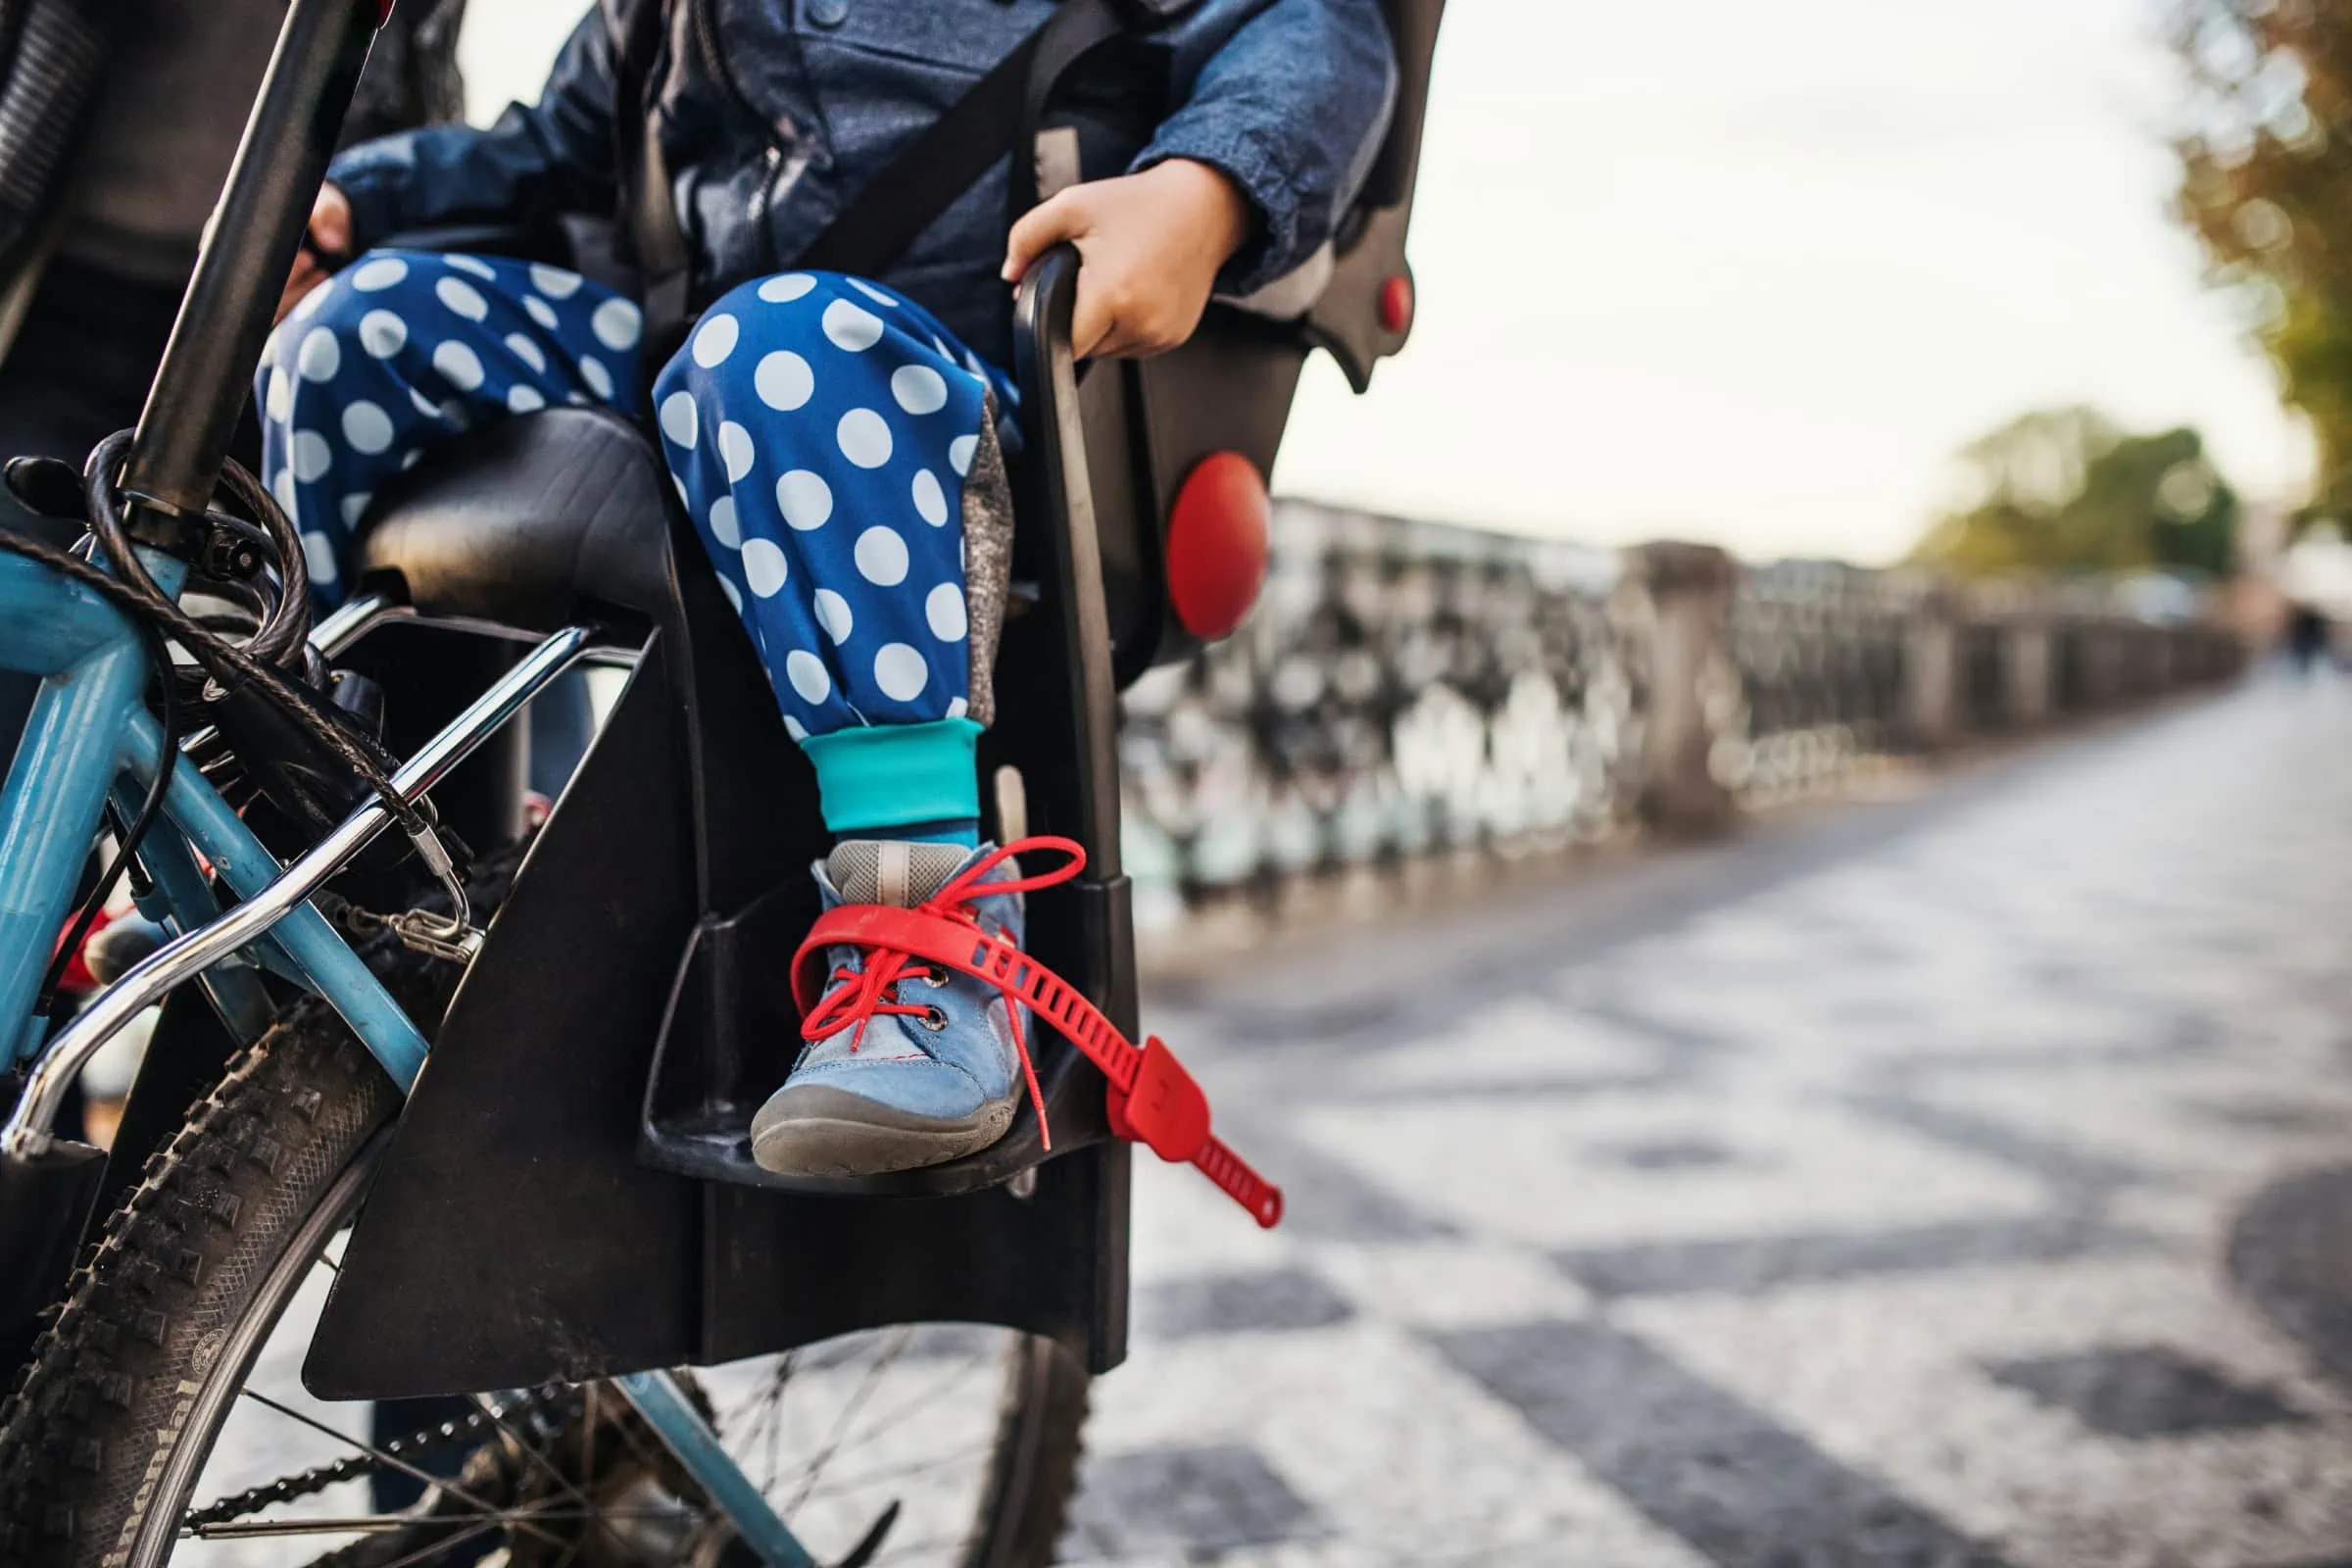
162, 1418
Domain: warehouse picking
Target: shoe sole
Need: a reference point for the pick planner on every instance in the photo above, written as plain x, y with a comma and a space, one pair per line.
816, 1130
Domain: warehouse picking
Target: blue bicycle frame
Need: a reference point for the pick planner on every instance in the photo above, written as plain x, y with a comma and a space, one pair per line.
88, 735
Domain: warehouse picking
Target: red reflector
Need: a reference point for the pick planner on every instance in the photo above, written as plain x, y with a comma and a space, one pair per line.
1217, 543
1397, 304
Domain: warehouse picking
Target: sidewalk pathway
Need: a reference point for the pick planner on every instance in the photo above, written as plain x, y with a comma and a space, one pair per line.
1896, 1187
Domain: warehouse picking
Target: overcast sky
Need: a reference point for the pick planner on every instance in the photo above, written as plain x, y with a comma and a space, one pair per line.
1751, 273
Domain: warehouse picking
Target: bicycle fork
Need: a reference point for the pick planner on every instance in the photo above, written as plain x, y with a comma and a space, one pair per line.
682, 1427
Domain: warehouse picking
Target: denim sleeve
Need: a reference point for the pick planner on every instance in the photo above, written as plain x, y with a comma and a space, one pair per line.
1289, 98
555, 155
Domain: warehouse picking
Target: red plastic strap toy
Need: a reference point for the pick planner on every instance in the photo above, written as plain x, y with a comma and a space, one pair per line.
1153, 1099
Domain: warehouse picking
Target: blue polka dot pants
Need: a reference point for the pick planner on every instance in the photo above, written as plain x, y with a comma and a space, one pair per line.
823, 431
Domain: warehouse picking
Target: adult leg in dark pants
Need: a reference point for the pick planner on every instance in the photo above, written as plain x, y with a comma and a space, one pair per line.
78, 372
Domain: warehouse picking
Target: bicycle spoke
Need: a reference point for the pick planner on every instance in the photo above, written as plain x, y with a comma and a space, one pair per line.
914, 1467
385, 1522
427, 1553
913, 1406
775, 1420
547, 1467
849, 1413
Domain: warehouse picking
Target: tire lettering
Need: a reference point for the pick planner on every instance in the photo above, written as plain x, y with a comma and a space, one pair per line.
166, 1437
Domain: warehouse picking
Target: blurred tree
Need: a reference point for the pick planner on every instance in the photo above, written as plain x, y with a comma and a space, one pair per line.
2063, 490
2266, 184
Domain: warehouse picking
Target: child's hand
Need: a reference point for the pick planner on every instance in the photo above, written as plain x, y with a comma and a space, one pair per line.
329, 237
1152, 244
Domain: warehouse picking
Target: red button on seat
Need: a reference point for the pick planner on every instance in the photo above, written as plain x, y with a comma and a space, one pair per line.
1397, 304
1217, 544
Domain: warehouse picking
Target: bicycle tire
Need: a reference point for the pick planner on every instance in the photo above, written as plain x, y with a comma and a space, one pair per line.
117, 1408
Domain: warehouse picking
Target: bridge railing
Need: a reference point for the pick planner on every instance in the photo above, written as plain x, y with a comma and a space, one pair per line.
1407, 690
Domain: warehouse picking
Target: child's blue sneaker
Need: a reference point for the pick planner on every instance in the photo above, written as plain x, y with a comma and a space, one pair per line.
903, 1070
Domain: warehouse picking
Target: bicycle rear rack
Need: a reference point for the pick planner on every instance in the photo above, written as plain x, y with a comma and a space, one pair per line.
269, 900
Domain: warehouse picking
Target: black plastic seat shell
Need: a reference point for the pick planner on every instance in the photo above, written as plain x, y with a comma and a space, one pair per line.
472, 1267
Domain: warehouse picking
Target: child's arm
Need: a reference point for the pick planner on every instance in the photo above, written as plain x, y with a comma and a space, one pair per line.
1282, 117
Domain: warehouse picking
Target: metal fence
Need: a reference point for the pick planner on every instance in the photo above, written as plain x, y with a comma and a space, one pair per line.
1400, 689
1405, 690
1818, 654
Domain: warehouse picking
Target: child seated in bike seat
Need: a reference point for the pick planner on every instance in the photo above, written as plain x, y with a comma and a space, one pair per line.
834, 439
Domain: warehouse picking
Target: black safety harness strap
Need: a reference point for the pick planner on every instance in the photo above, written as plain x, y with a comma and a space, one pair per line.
649, 211
876, 226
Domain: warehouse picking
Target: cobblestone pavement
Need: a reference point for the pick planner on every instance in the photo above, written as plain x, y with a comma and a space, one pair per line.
1932, 1182
1963, 1179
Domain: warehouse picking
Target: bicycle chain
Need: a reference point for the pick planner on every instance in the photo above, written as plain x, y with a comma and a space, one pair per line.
425, 1441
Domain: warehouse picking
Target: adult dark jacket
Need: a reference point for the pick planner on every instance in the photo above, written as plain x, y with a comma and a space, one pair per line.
161, 88
120, 117
772, 112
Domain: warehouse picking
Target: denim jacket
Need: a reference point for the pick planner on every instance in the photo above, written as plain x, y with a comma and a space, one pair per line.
772, 112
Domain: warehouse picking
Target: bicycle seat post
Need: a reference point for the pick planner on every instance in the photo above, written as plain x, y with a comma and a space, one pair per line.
248, 249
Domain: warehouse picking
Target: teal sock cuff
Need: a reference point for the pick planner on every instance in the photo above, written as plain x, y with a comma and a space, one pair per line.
890, 775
